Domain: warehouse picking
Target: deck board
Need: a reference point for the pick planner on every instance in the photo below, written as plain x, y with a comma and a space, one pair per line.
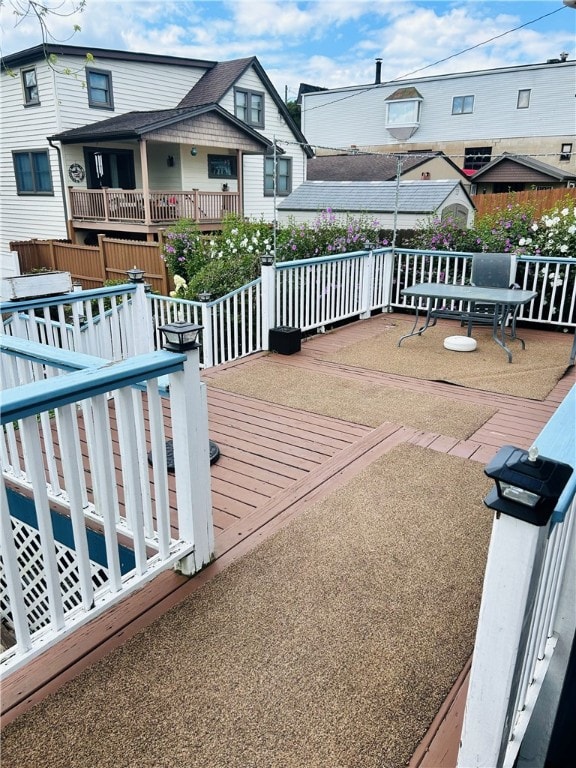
275, 461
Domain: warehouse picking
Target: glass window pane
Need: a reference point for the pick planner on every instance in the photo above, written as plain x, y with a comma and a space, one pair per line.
403, 112
256, 108
42, 172
24, 178
523, 99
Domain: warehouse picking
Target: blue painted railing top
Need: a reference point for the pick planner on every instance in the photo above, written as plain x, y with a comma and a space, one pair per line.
65, 298
558, 441
47, 394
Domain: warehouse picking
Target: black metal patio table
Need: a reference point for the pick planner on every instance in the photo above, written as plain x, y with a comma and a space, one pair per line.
506, 302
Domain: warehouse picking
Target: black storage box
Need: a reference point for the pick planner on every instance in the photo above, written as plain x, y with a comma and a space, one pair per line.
285, 340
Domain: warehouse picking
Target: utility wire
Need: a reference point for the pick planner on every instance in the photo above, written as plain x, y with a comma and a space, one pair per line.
364, 89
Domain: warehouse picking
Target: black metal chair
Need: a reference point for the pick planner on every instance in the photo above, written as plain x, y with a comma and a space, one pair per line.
489, 270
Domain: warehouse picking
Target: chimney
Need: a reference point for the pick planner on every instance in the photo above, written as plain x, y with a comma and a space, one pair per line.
563, 56
378, 79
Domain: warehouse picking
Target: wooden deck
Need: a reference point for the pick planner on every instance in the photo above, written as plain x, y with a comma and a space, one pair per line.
275, 461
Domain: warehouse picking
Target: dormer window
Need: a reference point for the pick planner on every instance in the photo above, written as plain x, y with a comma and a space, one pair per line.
403, 113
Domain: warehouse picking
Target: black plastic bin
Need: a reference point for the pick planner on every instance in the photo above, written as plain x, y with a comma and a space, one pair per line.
285, 340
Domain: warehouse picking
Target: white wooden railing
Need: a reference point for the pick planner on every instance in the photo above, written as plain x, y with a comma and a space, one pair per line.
309, 294
527, 607
51, 397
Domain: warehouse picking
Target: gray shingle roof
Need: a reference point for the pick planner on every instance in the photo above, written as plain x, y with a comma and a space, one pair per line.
371, 196
361, 167
131, 123
215, 83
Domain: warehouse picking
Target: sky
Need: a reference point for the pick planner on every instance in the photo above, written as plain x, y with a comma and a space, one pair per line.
328, 43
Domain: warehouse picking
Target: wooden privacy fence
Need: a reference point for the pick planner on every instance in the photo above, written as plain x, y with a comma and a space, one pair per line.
93, 266
542, 200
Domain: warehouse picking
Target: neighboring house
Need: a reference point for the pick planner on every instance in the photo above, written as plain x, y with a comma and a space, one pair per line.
405, 204
384, 167
513, 173
472, 117
131, 142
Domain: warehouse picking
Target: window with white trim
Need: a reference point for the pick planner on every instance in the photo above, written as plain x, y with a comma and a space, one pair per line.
33, 174
99, 86
283, 176
462, 105
249, 107
30, 87
403, 112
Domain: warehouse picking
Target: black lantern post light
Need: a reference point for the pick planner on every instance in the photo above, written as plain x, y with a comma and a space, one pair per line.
135, 275
182, 336
527, 485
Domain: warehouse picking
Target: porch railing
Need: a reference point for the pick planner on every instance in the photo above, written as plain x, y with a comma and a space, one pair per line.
309, 294
527, 608
165, 207
54, 402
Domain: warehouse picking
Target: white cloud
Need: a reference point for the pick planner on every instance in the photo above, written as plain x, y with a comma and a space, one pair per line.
323, 42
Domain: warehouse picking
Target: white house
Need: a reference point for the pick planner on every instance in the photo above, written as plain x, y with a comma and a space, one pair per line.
472, 117
126, 143
405, 204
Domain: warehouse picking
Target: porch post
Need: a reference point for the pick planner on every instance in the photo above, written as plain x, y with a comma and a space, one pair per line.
142, 324
268, 299
366, 286
515, 558
145, 181
189, 415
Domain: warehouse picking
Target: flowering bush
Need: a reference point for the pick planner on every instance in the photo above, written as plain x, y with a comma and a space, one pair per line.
554, 234
326, 235
184, 250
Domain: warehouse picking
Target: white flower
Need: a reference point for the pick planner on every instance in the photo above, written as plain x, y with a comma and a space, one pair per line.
234, 232
556, 281
571, 229
522, 241
534, 227
565, 211
563, 248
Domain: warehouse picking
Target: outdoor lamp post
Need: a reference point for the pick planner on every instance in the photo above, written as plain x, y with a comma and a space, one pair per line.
135, 275
180, 336
204, 296
267, 259
527, 485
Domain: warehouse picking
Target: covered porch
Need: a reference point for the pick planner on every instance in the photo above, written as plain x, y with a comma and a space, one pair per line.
139, 172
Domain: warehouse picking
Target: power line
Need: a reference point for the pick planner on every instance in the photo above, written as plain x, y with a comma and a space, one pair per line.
364, 89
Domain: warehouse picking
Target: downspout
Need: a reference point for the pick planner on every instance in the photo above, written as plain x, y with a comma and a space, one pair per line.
61, 172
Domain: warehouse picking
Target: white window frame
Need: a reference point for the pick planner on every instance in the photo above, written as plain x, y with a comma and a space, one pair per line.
403, 118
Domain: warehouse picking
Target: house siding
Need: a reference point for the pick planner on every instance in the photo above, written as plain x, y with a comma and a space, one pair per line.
275, 128
357, 116
64, 105
136, 86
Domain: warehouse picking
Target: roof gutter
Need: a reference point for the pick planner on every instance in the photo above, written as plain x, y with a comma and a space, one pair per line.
61, 172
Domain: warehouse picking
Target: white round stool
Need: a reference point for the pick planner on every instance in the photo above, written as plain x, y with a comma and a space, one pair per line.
460, 343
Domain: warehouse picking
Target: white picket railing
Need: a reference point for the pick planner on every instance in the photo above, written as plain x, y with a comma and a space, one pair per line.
309, 294
527, 605
51, 397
